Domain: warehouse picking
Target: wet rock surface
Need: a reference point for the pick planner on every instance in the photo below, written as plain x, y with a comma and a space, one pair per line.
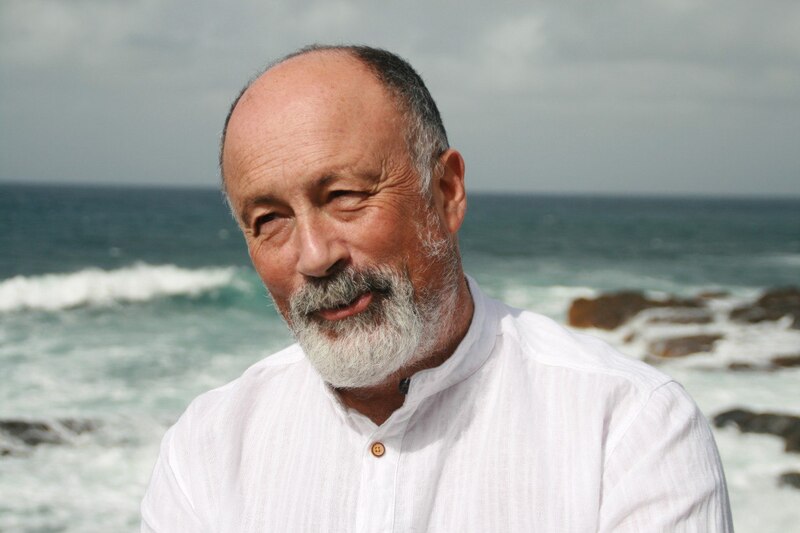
609, 311
785, 361
775, 363
683, 346
789, 479
687, 316
773, 305
780, 425
17, 434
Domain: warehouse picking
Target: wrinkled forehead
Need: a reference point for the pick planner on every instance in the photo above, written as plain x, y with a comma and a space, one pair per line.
325, 91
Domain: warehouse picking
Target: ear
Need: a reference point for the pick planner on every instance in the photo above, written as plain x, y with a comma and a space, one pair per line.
449, 193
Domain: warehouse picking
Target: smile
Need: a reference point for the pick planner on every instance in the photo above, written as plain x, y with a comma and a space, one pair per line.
347, 310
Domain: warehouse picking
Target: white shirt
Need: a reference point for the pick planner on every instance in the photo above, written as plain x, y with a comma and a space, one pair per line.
526, 427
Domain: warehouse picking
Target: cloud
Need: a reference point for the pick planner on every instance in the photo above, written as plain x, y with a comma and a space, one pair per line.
512, 49
38, 33
135, 90
325, 16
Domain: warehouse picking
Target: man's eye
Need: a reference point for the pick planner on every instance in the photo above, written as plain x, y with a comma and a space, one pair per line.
261, 221
338, 194
345, 195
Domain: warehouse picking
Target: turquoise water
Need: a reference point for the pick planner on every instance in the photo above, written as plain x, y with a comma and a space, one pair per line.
121, 305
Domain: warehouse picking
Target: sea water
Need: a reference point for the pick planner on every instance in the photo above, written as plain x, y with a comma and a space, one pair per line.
120, 305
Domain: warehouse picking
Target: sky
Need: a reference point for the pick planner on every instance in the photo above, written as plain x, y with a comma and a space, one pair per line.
650, 97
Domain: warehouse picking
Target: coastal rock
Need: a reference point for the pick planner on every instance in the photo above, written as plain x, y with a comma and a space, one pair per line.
781, 425
686, 316
775, 363
15, 434
789, 479
609, 311
683, 346
773, 305
737, 366
713, 295
785, 361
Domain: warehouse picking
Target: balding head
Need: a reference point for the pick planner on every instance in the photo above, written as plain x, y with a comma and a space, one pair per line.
422, 126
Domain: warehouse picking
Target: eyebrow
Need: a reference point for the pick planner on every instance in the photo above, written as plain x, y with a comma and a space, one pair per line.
262, 199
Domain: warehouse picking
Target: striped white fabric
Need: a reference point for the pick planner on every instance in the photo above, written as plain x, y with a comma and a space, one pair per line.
527, 427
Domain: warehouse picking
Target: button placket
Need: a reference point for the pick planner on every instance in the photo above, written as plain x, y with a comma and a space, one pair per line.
380, 460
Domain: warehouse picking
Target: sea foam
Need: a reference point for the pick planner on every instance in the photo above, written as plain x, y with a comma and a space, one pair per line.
95, 287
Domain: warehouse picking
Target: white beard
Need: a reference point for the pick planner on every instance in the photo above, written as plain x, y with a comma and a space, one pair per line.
397, 328
365, 349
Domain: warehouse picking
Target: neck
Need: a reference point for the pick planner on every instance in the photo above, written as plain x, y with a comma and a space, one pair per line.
380, 401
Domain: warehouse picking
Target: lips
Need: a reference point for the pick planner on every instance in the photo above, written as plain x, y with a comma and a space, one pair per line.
353, 308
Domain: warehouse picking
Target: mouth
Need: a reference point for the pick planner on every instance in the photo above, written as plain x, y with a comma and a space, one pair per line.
359, 304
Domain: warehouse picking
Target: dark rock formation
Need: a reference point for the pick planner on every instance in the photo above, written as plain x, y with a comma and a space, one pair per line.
713, 295
789, 479
741, 367
688, 316
19, 433
609, 311
775, 363
773, 305
682, 346
785, 361
785, 426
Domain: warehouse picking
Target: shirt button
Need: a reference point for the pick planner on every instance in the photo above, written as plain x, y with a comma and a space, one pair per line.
378, 449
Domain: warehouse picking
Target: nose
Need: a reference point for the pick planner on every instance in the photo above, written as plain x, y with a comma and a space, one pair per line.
319, 250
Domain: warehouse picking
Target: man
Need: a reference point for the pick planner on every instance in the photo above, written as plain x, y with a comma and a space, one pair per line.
412, 402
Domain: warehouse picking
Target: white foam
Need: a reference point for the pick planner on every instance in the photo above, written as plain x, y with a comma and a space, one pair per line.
96, 287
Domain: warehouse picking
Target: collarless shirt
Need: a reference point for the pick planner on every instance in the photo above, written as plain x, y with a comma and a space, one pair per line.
525, 427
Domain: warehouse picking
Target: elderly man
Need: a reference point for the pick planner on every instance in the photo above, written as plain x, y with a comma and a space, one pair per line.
412, 402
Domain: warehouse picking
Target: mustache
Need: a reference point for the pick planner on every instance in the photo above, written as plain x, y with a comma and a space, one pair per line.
340, 289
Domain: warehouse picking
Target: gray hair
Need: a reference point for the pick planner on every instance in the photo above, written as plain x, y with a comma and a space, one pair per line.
425, 135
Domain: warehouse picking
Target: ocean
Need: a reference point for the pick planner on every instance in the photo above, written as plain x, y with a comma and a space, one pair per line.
120, 305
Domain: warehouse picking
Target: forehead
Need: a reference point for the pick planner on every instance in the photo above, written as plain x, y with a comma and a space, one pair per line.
320, 97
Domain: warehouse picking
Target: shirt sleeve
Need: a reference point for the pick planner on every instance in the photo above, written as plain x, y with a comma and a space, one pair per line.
166, 506
664, 473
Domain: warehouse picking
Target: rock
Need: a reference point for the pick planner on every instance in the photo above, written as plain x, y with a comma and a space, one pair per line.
789, 479
773, 305
33, 433
609, 311
785, 426
682, 346
713, 295
688, 316
739, 367
785, 361
774, 364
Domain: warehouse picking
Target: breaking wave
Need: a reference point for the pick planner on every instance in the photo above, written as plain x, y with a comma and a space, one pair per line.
95, 287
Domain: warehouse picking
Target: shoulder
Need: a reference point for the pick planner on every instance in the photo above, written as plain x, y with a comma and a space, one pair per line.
539, 341
232, 402
575, 373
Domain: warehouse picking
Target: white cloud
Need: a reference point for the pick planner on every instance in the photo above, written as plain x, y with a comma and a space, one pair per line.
84, 32
510, 51
323, 17
87, 76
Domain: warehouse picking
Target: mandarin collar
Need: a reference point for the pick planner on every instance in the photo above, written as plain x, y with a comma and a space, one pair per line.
471, 353
469, 356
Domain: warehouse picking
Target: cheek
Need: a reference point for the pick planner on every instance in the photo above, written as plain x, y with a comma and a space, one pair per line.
275, 273
382, 238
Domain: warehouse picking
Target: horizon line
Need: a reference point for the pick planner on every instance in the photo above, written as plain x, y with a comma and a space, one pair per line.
475, 191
